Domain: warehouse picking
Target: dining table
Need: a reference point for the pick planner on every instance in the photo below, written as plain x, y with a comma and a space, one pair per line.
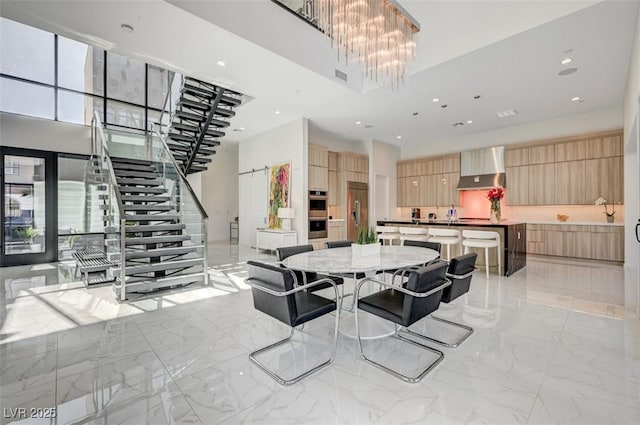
343, 262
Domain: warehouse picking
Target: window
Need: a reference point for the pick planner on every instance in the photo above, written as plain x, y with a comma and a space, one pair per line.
78, 108
125, 79
80, 67
23, 98
12, 168
26, 52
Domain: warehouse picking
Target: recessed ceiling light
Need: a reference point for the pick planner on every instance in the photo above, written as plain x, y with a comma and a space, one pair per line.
469, 122
567, 71
566, 61
277, 112
358, 122
126, 28
435, 99
575, 99
220, 63
399, 137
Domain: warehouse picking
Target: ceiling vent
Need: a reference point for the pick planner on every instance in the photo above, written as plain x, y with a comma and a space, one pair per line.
457, 124
341, 75
507, 113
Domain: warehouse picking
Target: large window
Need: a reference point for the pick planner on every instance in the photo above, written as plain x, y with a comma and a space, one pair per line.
49, 76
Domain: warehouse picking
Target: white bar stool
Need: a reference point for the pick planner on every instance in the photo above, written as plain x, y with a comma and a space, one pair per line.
412, 234
483, 239
446, 237
388, 233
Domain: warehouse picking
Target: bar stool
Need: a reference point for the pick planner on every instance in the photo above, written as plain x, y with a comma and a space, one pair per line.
412, 234
388, 233
446, 237
483, 239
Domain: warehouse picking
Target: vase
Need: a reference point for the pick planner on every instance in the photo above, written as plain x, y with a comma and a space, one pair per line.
495, 217
611, 218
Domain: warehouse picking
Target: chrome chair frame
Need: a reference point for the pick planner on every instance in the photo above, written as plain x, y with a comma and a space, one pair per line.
252, 356
397, 334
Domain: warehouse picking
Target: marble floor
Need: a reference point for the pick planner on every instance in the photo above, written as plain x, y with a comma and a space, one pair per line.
553, 344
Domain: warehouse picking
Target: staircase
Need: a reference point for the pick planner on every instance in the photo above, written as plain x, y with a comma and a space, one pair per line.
197, 119
155, 227
158, 251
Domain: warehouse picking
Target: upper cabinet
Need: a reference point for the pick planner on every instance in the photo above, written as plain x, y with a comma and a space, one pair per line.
570, 171
318, 167
429, 182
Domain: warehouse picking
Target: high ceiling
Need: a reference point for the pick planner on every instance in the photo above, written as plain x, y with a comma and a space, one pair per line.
508, 52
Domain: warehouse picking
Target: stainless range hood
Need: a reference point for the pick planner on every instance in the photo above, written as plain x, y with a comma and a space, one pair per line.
482, 169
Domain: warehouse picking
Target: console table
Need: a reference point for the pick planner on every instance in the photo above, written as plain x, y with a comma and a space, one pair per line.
271, 239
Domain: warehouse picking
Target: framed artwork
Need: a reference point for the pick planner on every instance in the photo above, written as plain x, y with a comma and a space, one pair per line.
279, 183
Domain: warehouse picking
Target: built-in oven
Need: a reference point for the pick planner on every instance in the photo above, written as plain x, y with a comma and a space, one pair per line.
317, 227
318, 204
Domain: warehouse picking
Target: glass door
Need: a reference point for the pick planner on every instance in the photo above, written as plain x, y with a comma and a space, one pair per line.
28, 215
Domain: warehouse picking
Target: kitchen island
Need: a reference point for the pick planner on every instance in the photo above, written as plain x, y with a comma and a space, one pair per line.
513, 239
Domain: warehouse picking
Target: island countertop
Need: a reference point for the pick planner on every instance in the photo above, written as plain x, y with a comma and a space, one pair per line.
460, 222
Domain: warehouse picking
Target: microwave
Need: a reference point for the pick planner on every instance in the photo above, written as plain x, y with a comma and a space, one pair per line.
318, 204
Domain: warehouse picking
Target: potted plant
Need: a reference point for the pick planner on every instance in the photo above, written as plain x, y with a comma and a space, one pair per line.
28, 234
611, 216
367, 243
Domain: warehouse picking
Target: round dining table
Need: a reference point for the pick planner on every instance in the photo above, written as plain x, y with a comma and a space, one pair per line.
341, 261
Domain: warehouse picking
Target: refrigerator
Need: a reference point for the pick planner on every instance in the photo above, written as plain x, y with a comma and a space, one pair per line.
358, 208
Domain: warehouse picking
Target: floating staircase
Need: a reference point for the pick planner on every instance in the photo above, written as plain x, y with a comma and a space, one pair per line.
158, 250
197, 122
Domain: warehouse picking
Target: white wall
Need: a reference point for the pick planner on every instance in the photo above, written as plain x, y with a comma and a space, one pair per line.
632, 177
333, 142
604, 119
36, 133
287, 143
219, 191
383, 162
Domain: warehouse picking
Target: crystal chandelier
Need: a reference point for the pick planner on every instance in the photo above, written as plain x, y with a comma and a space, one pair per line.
377, 33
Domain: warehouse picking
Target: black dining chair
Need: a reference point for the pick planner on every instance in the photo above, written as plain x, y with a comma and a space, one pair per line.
276, 292
404, 307
425, 244
354, 276
460, 271
421, 244
306, 277
338, 244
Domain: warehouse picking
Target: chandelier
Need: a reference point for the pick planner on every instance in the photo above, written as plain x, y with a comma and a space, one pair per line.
377, 33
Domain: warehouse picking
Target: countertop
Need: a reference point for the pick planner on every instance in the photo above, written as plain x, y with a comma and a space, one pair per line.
472, 222
336, 220
576, 223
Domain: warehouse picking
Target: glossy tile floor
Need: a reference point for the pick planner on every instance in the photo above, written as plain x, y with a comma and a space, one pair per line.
551, 345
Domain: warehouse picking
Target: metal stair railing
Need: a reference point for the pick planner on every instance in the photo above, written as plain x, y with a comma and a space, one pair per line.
170, 104
114, 202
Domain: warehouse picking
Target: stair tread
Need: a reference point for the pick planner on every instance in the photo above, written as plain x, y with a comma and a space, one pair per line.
121, 160
133, 167
209, 93
124, 181
162, 252
151, 217
134, 189
206, 142
143, 228
133, 173
140, 198
130, 207
143, 240
165, 265
199, 118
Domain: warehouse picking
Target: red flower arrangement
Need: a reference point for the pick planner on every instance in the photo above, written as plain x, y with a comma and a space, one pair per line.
494, 196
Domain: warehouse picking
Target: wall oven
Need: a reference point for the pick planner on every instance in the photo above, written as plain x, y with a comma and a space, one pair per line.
317, 228
318, 204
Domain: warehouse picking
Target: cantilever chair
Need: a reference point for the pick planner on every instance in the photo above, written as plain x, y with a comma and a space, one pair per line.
306, 277
404, 307
422, 244
460, 271
276, 293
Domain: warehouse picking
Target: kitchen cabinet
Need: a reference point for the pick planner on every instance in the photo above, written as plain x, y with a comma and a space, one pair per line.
544, 154
535, 239
515, 157
541, 184
604, 177
570, 151
318, 156
604, 147
355, 162
570, 183
578, 242
411, 192
333, 161
318, 178
517, 192
333, 187
607, 243
447, 189
428, 191
337, 231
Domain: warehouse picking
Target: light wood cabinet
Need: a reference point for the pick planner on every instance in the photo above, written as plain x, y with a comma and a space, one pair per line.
318, 178
578, 243
333, 161
451, 163
570, 183
318, 156
409, 192
514, 157
603, 147
352, 176
541, 184
428, 187
541, 154
607, 243
554, 241
517, 192
604, 177
447, 189
570, 151
333, 187
356, 162
337, 231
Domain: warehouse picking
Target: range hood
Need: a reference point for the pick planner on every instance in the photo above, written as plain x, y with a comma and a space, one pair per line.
482, 169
